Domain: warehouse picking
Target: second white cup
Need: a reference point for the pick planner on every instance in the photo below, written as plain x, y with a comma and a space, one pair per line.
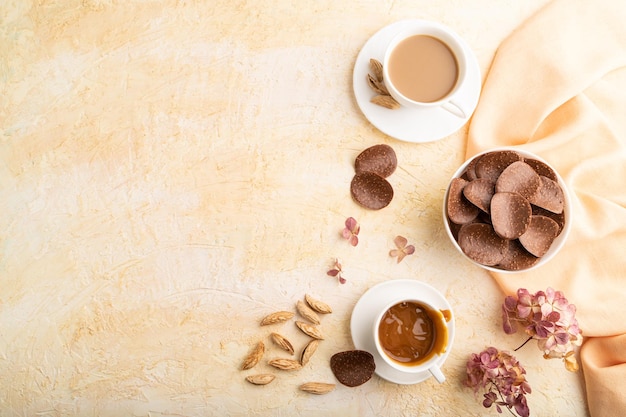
410, 335
425, 66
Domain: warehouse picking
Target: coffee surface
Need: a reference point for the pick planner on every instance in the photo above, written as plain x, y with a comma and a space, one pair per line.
423, 68
411, 333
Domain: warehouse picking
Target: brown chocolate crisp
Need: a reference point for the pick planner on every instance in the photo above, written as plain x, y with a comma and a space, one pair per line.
518, 178
491, 164
479, 192
510, 214
353, 367
517, 258
541, 168
460, 209
540, 234
371, 190
480, 243
549, 196
379, 159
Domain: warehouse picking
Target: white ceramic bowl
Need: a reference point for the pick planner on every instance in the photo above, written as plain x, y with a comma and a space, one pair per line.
557, 244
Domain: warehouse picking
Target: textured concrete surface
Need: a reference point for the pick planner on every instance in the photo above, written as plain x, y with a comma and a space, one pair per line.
172, 171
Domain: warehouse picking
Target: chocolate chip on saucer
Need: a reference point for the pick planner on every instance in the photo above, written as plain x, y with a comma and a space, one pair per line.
379, 159
353, 367
481, 243
371, 190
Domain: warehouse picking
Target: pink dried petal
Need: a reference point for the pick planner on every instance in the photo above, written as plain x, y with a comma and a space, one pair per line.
333, 272
401, 256
400, 242
352, 224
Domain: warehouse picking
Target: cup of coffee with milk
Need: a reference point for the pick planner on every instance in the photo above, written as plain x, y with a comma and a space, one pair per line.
411, 335
425, 66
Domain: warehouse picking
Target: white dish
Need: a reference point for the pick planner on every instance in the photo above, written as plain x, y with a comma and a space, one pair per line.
368, 307
411, 125
558, 243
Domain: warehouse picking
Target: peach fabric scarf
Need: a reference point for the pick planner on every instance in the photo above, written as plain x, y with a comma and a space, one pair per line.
557, 87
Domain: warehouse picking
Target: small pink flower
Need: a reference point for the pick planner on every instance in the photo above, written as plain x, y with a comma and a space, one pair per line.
501, 378
548, 318
337, 272
351, 231
402, 249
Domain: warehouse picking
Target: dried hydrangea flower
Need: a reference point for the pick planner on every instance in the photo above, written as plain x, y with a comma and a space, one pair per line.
402, 249
351, 231
337, 272
502, 379
548, 318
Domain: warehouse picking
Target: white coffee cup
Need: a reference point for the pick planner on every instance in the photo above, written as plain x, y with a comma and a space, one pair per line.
442, 341
448, 101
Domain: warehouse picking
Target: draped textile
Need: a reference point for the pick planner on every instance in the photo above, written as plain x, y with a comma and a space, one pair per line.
557, 87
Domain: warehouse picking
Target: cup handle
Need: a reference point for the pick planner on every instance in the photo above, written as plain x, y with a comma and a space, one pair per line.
454, 108
436, 372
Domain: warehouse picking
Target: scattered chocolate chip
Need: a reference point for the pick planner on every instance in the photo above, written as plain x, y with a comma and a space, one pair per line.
481, 243
479, 193
371, 190
549, 196
459, 209
353, 367
517, 258
379, 159
539, 236
510, 214
491, 164
518, 178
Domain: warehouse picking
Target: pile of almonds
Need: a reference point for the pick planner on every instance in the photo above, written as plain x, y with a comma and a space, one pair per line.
506, 210
369, 186
350, 372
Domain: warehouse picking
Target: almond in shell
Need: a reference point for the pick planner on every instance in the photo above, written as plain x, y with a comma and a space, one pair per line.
254, 356
282, 342
377, 69
377, 86
260, 379
317, 305
307, 312
285, 364
317, 388
310, 330
385, 101
308, 351
277, 317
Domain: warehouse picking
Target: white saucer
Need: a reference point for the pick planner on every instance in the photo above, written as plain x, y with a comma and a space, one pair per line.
411, 125
369, 306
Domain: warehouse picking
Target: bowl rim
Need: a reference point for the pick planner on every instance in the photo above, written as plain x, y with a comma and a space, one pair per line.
557, 244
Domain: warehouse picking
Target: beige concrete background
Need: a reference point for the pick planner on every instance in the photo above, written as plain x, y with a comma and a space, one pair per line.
172, 171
